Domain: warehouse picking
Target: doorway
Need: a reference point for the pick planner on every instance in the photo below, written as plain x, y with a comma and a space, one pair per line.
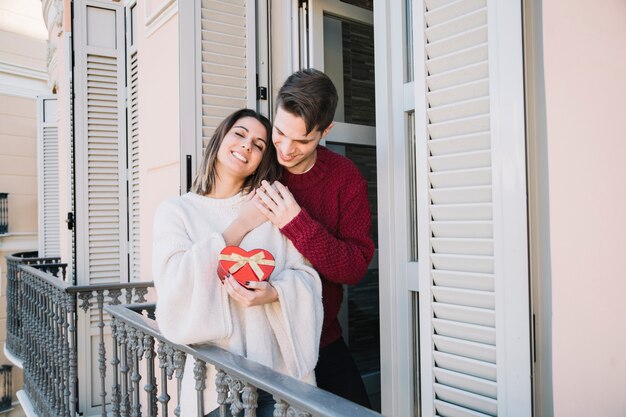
340, 42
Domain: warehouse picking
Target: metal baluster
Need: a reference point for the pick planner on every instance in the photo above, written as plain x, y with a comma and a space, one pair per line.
124, 405
150, 387
234, 396
115, 387
71, 309
66, 358
250, 398
58, 352
164, 365
221, 386
140, 294
137, 352
199, 374
294, 412
280, 408
102, 362
115, 297
46, 340
179, 367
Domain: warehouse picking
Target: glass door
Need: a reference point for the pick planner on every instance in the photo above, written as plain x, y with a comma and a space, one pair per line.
340, 42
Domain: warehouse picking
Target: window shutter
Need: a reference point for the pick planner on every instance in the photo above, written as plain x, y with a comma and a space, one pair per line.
464, 333
225, 61
100, 153
132, 83
48, 176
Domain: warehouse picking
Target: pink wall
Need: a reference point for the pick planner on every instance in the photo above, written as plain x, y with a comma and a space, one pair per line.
158, 125
585, 90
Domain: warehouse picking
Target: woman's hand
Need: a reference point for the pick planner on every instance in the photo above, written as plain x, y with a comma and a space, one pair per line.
248, 219
257, 292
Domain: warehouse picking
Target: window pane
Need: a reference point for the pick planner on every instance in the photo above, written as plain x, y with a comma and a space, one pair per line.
363, 304
408, 40
364, 4
412, 184
349, 62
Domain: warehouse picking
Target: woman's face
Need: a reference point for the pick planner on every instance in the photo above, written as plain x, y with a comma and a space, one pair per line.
242, 149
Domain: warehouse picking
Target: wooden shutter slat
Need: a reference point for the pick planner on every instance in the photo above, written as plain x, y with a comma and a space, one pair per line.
459, 93
452, 410
465, 331
441, 12
453, 27
461, 178
463, 279
464, 314
480, 264
474, 367
452, 77
461, 160
459, 109
463, 246
462, 229
472, 358
464, 297
466, 382
232, 7
464, 195
461, 41
467, 399
458, 127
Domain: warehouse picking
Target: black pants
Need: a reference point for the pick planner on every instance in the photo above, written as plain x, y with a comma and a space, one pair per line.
336, 372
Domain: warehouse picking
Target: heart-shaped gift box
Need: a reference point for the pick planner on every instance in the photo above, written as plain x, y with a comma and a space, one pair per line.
253, 265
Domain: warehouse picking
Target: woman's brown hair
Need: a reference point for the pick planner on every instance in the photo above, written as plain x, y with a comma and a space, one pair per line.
268, 169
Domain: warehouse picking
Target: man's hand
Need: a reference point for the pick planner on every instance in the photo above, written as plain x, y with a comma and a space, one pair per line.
258, 292
277, 203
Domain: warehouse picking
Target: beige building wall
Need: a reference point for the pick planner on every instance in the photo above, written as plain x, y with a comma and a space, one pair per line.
159, 141
584, 61
22, 77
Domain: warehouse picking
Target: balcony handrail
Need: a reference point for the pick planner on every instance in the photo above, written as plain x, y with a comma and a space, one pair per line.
46, 277
303, 396
31, 257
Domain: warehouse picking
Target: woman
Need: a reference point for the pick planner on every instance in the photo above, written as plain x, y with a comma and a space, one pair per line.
276, 323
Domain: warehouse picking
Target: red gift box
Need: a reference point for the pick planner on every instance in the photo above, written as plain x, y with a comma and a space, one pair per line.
253, 265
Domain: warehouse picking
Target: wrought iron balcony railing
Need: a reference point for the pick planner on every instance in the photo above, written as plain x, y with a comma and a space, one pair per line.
129, 349
14, 310
141, 353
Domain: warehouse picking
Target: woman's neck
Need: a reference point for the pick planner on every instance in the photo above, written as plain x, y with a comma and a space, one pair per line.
225, 188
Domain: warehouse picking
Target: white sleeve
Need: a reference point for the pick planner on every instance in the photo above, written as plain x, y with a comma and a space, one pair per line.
192, 305
297, 318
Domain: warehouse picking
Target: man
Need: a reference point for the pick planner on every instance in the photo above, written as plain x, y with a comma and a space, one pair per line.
321, 205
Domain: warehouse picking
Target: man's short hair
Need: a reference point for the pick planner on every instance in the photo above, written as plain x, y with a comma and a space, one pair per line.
311, 95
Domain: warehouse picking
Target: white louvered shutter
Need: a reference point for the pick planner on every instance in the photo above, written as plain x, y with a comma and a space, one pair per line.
48, 176
100, 141
132, 82
225, 61
469, 320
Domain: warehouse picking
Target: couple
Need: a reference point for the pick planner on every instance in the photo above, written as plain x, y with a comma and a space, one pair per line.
318, 232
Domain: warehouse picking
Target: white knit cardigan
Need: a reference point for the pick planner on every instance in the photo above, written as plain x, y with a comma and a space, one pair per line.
193, 307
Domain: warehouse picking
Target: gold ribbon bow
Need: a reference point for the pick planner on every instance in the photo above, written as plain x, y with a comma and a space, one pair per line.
254, 261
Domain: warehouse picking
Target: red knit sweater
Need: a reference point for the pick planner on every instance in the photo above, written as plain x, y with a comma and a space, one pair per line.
333, 229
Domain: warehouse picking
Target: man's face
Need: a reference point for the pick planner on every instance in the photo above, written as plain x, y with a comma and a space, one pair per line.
295, 149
